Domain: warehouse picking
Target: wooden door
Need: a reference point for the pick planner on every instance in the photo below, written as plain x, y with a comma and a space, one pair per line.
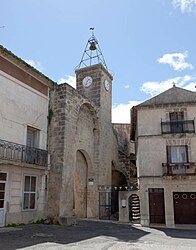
184, 207
156, 205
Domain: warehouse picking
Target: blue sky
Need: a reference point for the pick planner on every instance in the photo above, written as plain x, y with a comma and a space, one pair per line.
147, 44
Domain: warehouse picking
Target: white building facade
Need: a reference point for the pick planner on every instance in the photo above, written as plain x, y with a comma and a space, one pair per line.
24, 98
163, 129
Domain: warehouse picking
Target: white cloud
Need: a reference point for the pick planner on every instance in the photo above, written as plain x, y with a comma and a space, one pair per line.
155, 88
127, 86
191, 86
185, 5
176, 60
121, 112
35, 64
71, 80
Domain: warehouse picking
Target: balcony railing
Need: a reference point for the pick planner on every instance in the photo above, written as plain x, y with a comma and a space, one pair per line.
188, 168
21, 153
176, 127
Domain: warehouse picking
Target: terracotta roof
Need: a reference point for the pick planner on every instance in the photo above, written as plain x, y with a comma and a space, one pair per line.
25, 66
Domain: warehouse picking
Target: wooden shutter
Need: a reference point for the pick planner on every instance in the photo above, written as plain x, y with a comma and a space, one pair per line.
168, 149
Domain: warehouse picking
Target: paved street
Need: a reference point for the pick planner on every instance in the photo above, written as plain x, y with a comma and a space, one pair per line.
95, 235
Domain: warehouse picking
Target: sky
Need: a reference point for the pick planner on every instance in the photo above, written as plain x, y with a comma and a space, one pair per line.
147, 44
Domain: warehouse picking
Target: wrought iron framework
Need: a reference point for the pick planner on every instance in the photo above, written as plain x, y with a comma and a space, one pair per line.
176, 127
21, 153
92, 53
181, 168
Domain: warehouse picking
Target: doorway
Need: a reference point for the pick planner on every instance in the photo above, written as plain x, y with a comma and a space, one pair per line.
3, 179
156, 205
80, 186
134, 208
119, 182
184, 207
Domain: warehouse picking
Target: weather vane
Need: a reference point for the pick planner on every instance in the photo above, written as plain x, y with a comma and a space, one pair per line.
2, 27
92, 29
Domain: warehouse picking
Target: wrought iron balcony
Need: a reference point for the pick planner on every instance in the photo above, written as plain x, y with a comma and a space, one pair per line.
184, 168
21, 153
176, 127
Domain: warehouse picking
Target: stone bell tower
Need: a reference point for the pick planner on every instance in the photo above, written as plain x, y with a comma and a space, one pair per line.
81, 138
93, 80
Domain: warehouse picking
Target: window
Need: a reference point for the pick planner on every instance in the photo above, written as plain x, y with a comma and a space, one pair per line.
177, 154
176, 121
30, 190
32, 137
3, 178
32, 145
176, 116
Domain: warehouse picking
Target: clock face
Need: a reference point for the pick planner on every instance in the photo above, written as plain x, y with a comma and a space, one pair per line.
106, 84
87, 81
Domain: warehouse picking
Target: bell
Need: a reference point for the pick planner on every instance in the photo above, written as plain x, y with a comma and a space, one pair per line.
92, 46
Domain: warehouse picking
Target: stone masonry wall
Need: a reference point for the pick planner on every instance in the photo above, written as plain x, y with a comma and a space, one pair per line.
80, 122
125, 151
66, 138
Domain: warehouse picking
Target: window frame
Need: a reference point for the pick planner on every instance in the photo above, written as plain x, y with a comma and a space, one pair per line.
30, 192
178, 115
169, 153
176, 119
36, 137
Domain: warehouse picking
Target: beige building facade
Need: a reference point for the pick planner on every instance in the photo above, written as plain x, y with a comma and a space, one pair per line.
163, 129
24, 100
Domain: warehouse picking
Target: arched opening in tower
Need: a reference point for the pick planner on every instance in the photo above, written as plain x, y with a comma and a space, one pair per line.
80, 186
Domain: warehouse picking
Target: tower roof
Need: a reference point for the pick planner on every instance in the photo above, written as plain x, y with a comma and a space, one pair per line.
92, 53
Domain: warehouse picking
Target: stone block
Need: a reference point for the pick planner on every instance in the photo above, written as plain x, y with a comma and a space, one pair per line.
68, 221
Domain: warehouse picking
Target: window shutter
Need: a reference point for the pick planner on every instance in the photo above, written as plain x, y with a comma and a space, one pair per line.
187, 155
168, 148
173, 116
180, 116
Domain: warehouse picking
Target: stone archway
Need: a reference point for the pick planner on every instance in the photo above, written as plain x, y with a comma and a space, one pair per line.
134, 208
118, 178
87, 153
80, 186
